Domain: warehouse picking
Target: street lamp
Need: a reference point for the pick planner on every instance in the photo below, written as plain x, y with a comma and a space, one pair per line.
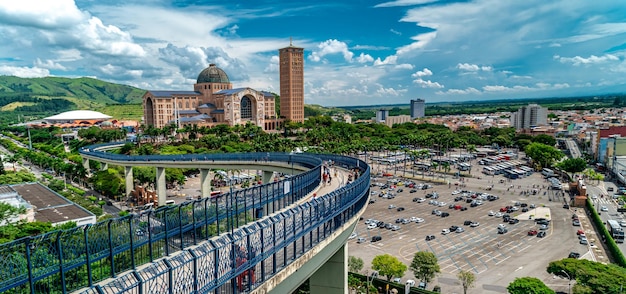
370, 278
569, 283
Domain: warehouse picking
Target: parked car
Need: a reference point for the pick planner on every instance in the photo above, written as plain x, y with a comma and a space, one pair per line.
467, 222
400, 209
360, 240
513, 221
430, 237
541, 234
574, 255
376, 238
543, 227
474, 224
445, 231
445, 214
576, 223
604, 208
459, 230
532, 232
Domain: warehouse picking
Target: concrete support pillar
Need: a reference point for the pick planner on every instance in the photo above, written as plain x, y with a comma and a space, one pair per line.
128, 174
205, 182
104, 166
160, 185
268, 176
332, 277
86, 164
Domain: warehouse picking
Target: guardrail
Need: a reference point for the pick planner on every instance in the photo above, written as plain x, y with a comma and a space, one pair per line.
64, 261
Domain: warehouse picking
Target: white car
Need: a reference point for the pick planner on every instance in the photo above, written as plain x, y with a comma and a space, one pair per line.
456, 192
460, 230
474, 224
352, 236
372, 226
420, 200
442, 204
622, 223
604, 208
419, 220
498, 214
391, 206
491, 213
445, 231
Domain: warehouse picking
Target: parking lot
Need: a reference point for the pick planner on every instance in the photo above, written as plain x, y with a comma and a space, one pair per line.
495, 258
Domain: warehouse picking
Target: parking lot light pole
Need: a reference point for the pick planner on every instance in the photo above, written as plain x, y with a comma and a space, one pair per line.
569, 283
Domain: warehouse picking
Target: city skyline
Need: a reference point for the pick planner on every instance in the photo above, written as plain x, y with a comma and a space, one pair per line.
355, 53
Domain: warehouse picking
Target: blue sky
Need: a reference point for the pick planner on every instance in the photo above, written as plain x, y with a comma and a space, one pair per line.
356, 52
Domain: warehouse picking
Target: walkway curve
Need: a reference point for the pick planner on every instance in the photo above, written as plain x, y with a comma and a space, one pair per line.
183, 248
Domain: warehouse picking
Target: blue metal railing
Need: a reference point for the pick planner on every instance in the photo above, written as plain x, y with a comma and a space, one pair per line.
64, 261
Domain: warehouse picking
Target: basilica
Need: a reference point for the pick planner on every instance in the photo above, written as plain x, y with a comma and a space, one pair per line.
214, 101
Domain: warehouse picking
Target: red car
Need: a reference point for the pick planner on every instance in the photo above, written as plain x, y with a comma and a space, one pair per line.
580, 232
532, 232
503, 209
387, 175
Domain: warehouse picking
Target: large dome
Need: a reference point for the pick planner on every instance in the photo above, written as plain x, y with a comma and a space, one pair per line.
213, 74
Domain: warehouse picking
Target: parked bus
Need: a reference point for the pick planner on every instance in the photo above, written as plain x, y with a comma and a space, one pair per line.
616, 231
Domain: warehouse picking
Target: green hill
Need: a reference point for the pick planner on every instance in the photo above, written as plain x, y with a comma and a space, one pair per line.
83, 88
33, 98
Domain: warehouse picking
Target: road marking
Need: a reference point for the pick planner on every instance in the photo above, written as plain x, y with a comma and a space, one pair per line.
519, 268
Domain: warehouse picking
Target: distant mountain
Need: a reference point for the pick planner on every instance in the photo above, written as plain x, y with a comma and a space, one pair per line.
87, 89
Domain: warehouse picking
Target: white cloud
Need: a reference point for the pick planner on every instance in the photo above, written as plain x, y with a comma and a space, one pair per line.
395, 32
577, 60
467, 67
404, 66
383, 92
467, 91
272, 67
41, 14
404, 3
24, 72
421, 41
473, 67
391, 59
422, 73
428, 84
364, 58
521, 88
49, 64
331, 47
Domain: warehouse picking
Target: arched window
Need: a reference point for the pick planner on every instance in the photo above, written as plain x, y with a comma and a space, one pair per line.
193, 104
246, 108
180, 105
187, 104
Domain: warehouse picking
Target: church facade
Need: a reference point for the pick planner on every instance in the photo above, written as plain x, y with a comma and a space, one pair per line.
213, 101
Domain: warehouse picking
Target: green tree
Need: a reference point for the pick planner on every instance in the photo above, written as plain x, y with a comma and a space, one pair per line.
528, 285
355, 264
388, 266
545, 139
573, 165
590, 276
542, 154
467, 280
8, 211
425, 266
